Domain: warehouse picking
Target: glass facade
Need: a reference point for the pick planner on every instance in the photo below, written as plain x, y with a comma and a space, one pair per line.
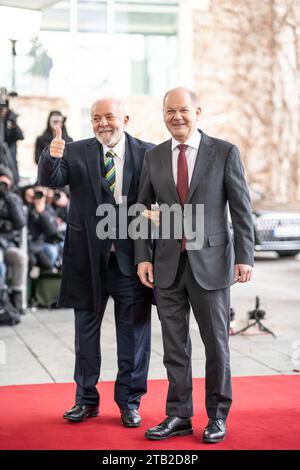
87, 48
91, 46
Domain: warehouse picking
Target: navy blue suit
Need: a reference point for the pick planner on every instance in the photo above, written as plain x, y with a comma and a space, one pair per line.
91, 272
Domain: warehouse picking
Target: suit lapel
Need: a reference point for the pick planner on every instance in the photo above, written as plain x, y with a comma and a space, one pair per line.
127, 169
203, 158
167, 176
93, 163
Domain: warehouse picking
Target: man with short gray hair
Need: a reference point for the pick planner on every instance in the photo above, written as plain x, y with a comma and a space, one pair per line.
101, 172
190, 170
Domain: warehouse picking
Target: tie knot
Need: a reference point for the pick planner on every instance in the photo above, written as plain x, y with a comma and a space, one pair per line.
182, 147
110, 154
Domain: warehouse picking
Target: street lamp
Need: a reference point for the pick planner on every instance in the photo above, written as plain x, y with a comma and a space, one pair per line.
16, 24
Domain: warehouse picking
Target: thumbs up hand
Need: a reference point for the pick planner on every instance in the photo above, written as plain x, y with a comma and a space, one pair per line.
58, 144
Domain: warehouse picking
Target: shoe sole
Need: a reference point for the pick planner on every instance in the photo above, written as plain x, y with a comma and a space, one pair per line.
178, 433
131, 425
78, 420
213, 441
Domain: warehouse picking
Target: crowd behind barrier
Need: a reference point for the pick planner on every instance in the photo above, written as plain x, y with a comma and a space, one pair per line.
32, 225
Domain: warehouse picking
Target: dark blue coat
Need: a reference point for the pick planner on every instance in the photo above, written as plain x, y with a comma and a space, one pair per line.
85, 255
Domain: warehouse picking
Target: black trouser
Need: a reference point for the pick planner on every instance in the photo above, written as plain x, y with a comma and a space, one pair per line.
133, 328
211, 310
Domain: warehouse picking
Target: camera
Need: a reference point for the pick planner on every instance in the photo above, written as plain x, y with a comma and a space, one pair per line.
56, 195
3, 188
257, 313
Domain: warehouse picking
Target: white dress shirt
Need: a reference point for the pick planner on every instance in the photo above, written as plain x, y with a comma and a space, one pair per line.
193, 143
119, 160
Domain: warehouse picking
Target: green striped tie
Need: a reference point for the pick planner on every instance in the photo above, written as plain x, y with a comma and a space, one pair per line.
110, 170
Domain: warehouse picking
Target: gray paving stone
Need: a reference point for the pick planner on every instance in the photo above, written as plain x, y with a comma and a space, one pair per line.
41, 348
247, 366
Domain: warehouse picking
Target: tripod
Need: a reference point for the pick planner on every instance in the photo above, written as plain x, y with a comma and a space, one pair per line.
257, 314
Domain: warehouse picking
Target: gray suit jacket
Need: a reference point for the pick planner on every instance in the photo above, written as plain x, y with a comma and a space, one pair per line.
218, 180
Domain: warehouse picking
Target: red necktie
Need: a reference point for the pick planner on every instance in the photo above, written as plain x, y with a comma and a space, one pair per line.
182, 180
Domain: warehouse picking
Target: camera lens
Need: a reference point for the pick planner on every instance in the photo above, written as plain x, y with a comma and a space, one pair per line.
38, 194
3, 187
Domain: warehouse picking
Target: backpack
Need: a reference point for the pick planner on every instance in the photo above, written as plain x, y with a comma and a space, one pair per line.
47, 289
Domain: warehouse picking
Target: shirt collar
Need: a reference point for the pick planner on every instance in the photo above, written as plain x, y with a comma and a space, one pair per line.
119, 148
193, 141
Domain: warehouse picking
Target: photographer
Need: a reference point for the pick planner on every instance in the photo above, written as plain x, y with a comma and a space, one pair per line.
6, 159
12, 219
10, 134
59, 200
55, 118
44, 237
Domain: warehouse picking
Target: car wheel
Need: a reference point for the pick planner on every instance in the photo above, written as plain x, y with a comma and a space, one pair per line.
285, 254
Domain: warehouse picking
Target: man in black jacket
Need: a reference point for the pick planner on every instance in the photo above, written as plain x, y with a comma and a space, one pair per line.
12, 219
193, 173
43, 234
102, 172
11, 134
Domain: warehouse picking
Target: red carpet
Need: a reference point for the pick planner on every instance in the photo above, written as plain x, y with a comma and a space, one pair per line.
265, 415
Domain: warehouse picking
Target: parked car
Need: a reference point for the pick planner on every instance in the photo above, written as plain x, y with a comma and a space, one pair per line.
278, 231
276, 228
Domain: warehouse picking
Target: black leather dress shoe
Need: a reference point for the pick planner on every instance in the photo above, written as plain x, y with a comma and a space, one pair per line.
171, 426
130, 418
215, 431
81, 412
